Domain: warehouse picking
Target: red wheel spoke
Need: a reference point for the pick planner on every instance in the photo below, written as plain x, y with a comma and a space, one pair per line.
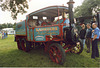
53, 48
59, 56
57, 61
51, 51
52, 57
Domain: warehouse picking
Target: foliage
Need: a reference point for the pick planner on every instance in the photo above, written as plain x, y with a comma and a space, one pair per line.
8, 25
4, 25
14, 26
87, 7
10, 56
14, 6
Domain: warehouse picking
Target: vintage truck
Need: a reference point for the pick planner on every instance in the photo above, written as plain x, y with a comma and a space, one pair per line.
58, 37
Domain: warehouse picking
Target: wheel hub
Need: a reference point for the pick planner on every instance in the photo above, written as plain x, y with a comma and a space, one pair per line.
54, 54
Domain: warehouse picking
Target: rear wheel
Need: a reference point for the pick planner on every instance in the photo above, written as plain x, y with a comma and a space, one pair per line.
25, 45
57, 53
78, 48
19, 44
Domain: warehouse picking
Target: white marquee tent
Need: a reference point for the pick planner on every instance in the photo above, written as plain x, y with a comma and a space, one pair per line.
9, 30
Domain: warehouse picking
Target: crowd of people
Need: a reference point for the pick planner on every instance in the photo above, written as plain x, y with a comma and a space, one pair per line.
3, 35
90, 36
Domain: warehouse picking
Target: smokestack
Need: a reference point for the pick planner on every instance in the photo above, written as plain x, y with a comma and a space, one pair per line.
98, 19
71, 16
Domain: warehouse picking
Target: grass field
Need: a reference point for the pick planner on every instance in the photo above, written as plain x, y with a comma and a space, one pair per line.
10, 56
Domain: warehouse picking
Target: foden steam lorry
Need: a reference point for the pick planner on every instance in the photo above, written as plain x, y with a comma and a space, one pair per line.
57, 37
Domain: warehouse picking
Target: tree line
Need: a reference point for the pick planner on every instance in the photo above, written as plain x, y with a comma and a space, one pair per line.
8, 25
87, 8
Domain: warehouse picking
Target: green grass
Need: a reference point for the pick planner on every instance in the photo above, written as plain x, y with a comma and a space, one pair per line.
10, 56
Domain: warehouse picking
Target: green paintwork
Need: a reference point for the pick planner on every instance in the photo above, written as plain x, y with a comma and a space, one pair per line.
20, 28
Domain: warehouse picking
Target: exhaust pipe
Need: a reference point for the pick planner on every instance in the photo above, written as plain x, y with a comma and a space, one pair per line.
98, 19
71, 16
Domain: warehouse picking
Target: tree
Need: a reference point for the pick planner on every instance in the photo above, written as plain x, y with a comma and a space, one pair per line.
4, 25
87, 7
9, 25
0, 26
14, 6
14, 26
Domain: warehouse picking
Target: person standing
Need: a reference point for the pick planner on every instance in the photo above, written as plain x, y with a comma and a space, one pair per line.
88, 37
2, 35
6, 34
82, 34
95, 37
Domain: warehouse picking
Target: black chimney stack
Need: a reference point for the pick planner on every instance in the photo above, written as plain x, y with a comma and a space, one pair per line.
71, 16
98, 19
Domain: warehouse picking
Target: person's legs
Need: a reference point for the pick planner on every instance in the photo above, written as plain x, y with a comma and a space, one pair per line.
6, 35
87, 44
83, 42
93, 49
97, 51
2, 36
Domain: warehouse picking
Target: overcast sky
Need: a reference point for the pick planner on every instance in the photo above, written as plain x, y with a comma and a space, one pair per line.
5, 17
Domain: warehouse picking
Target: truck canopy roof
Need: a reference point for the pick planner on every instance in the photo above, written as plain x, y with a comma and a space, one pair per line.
51, 11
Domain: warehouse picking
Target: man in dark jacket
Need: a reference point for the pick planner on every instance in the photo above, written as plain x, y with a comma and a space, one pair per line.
82, 34
88, 37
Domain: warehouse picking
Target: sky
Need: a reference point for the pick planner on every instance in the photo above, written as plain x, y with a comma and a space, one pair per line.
5, 17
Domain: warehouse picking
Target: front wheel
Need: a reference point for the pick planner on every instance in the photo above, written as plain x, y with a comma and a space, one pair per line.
57, 53
78, 48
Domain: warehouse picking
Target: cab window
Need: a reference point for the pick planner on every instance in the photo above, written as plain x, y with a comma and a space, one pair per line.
33, 21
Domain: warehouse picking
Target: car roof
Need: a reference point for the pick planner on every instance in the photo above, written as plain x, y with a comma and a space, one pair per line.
51, 11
